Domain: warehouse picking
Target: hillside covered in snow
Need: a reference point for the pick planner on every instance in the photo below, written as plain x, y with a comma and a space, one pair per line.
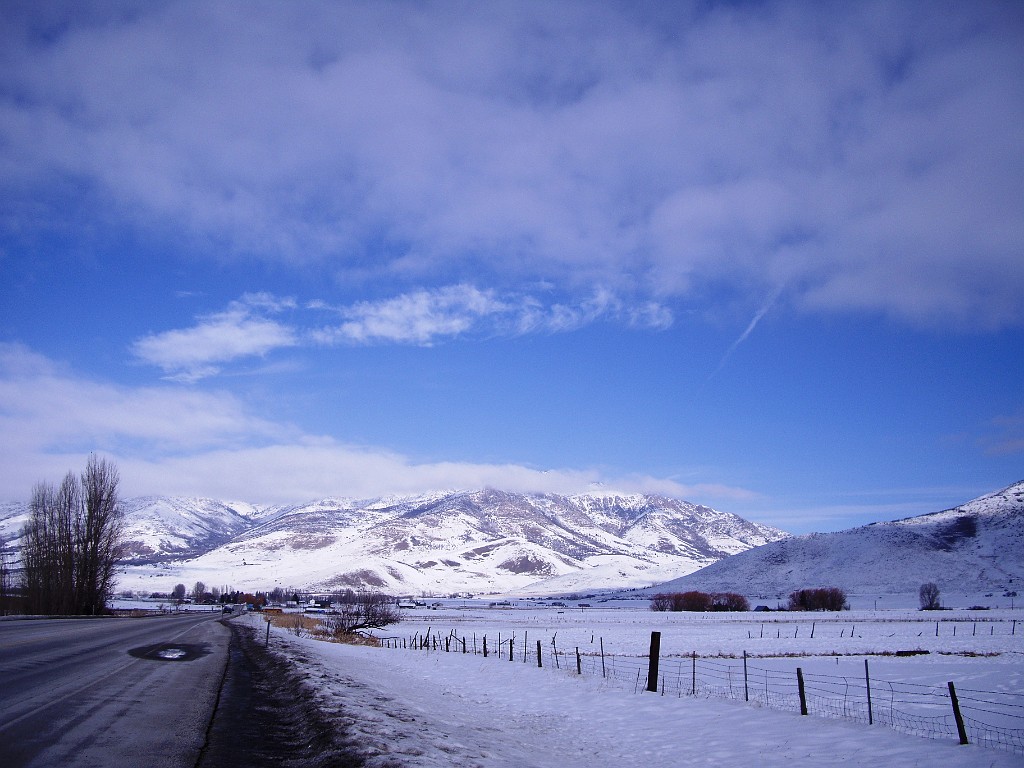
975, 547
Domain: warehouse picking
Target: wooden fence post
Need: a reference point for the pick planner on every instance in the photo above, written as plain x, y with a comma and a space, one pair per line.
579, 662
960, 729
539, 662
652, 663
867, 682
603, 673
510, 649
800, 687
693, 676
746, 690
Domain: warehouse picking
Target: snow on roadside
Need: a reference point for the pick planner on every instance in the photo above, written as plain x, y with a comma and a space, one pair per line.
433, 709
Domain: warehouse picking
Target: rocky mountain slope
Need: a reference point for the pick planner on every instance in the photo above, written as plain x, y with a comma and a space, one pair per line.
975, 547
478, 542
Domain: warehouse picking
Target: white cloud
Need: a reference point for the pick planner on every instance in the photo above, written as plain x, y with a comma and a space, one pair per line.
866, 155
424, 317
170, 440
417, 318
193, 353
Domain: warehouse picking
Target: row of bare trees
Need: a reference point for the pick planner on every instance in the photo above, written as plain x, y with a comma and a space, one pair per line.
699, 601
71, 542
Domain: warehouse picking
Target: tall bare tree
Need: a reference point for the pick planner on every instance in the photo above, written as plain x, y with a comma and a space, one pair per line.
72, 541
6, 582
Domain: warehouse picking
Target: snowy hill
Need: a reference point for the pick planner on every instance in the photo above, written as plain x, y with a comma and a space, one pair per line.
484, 541
975, 547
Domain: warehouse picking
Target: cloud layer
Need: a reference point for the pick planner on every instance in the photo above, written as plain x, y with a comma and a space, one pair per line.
173, 440
861, 156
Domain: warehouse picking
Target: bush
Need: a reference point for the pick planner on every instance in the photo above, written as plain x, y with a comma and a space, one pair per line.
818, 599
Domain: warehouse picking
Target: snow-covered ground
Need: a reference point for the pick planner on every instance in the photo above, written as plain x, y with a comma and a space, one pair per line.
427, 708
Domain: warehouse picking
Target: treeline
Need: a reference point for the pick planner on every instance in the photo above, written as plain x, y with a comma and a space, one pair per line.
699, 601
71, 543
815, 599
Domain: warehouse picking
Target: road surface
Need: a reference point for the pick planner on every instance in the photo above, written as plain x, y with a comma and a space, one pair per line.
99, 693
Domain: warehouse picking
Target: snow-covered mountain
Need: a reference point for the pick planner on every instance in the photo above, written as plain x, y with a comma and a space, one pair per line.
975, 547
480, 542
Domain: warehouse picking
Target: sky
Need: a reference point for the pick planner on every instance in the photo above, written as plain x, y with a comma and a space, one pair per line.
760, 256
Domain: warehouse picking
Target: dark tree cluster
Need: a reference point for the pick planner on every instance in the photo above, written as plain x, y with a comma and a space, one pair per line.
699, 601
818, 599
929, 595
71, 543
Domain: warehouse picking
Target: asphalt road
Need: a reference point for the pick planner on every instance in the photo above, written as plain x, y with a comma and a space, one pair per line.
109, 692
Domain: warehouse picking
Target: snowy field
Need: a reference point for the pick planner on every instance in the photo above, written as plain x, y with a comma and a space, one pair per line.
431, 708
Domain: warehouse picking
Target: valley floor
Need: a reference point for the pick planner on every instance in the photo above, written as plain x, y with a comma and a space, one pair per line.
433, 709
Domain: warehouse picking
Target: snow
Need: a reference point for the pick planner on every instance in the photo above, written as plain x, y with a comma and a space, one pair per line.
427, 708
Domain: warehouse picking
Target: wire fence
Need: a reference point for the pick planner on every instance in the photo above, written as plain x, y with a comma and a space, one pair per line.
988, 718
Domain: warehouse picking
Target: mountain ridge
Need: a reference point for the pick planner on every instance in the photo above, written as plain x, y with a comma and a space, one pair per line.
455, 541
977, 546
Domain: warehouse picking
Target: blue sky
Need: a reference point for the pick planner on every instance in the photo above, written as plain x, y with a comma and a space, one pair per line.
761, 256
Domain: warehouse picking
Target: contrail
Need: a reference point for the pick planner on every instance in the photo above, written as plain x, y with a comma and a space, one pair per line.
750, 329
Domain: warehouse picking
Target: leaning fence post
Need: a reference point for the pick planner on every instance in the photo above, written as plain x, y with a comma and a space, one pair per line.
652, 663
603, 673
867, 682
800, 686
961, 730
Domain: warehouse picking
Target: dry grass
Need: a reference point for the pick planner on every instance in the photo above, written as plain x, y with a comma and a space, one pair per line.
313, 626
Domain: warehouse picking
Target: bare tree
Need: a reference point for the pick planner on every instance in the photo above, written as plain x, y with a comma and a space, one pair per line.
6, 582
368, 610
929, 595
198, 592
71, 542
98, 535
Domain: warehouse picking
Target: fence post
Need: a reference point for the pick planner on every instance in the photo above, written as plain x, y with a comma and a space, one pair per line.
579, 662
746, 691
539, 662
603, 673
800, 686
652, 663
961, 730
510, 649
867, 682
485, 646
693, 676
